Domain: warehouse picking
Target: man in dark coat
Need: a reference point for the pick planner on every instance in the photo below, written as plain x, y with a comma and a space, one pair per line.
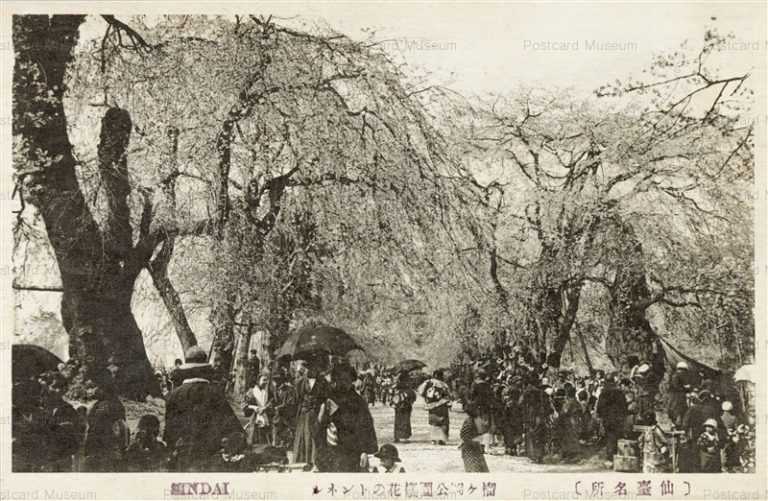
612, 410
700, 411
346, 426
311, 391
175, 376
197, 415
681, 382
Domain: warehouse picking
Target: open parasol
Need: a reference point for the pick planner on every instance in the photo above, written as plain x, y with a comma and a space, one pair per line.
29, 361
314, 339
432, 383
409, 365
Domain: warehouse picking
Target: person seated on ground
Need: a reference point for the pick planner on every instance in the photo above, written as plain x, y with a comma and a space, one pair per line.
107, 436
232, 457
62, 424
709, 448
147, 452
27, 426
388, 458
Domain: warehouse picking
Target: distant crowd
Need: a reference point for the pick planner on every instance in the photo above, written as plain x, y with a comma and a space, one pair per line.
316, 414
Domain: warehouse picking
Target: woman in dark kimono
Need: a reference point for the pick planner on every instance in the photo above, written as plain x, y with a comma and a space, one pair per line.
437, 404
513, 419
311, 390
346, 427
533, 401
403, 400
369, 389
568, 425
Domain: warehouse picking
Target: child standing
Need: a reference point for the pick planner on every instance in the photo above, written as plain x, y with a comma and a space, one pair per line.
709, 448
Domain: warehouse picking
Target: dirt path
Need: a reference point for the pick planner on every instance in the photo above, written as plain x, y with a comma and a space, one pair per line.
419, 455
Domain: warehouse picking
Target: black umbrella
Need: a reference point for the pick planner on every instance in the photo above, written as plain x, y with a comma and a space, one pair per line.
315, 339
29, 361
410, 365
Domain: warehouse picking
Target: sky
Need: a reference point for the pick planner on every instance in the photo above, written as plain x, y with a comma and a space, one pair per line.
479, 48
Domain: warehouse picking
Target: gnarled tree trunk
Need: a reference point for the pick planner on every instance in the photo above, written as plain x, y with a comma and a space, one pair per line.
98, 266
629, 332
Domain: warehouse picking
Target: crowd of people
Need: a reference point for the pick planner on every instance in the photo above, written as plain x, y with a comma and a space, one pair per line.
536, 410
316, 413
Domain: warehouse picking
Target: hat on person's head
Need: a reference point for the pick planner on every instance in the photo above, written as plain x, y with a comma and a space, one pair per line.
681, 365
727, 406
710, 422
705, 394
194, 358
388, 451
342, 370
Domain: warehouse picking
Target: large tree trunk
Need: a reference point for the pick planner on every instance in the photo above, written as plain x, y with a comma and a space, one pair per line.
629, 332
240, 370
102, 330
553, 308
98, 268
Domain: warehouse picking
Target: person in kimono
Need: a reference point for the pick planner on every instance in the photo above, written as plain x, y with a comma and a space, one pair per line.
655, 445
107, 436
513, 419
471, 434
709, 448
534, 403
568, 425
402, 401
147, 452
312, 389
257, 405
62, 424
438, 406
284, 410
